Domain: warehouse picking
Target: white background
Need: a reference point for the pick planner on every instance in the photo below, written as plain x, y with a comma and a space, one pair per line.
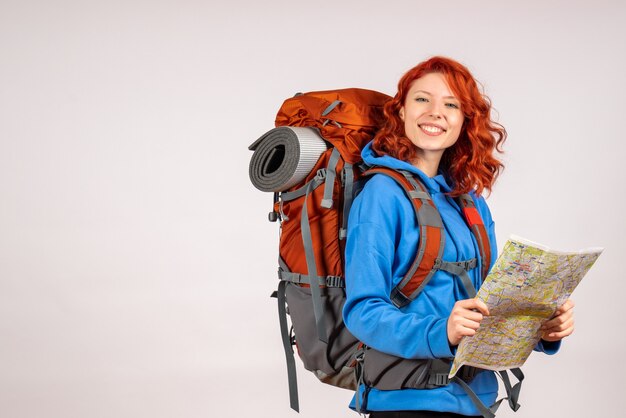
136, 260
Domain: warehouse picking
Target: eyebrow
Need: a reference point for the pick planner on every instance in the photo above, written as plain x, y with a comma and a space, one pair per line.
424, 91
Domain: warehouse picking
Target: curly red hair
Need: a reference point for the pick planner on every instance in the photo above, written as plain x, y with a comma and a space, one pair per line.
469, 164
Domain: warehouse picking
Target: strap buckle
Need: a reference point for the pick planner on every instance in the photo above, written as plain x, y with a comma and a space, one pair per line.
440, 379
467, 373
359, 356
438, 263
469, 264
398, 298
334, 281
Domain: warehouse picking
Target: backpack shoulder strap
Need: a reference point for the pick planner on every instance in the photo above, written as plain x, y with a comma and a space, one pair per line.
477, 226
431, 236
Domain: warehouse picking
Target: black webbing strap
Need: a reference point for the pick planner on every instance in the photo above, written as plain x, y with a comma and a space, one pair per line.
289, 357
512, 391
438, 374
486, 412
348, 191
358, 370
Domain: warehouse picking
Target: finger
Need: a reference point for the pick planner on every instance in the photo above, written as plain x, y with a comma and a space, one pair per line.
462, 313
558, 320
482, 307
458, 324
555, 322
556, 336
567, 305
560, 327
469, 324
457, 331
476, 304
461, 330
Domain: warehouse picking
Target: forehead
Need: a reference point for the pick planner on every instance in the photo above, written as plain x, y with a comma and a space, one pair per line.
432, 83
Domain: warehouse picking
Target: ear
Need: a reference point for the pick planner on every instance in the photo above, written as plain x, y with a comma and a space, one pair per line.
401, 113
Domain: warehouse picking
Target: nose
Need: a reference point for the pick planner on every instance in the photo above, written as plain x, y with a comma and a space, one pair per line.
435, 110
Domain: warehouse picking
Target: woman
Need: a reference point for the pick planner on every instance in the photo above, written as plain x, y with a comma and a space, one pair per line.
438, 128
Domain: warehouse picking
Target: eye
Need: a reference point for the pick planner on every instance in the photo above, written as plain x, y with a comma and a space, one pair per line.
452, 105
421, 99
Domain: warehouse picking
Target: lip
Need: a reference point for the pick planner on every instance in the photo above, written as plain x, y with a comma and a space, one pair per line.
434, 125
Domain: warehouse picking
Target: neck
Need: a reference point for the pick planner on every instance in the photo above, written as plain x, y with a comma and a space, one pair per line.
428, 162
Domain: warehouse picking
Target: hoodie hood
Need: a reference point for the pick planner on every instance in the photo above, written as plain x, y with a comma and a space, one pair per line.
437, 184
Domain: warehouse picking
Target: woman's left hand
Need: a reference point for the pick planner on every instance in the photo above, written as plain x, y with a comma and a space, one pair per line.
561, 325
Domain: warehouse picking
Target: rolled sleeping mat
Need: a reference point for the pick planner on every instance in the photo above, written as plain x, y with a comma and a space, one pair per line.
284, 156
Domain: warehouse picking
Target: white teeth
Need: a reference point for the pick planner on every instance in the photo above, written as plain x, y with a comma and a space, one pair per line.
432, 129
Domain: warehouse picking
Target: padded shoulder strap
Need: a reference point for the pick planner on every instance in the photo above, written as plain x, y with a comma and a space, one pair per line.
431, 236
477, 226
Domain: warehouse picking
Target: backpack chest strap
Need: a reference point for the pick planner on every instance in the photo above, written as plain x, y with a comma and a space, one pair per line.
459, 269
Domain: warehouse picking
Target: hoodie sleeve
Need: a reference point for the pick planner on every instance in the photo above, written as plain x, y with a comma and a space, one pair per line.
374, 229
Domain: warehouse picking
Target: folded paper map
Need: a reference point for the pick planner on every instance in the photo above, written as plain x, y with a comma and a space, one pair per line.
526, 285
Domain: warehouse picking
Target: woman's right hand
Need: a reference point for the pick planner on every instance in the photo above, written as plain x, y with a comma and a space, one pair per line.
465, 319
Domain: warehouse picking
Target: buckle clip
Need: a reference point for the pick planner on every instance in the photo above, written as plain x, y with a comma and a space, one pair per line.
441, 379
334, 281
321, 174
470, 264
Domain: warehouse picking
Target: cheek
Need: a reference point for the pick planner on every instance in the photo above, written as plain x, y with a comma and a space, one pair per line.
458, 124
408, 126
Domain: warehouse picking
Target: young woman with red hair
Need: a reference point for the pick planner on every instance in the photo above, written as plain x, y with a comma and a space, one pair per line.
438, 128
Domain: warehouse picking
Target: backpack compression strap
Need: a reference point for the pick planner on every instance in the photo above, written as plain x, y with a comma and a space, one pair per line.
431, 236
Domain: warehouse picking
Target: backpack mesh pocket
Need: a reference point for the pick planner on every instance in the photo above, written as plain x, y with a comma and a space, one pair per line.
333, 362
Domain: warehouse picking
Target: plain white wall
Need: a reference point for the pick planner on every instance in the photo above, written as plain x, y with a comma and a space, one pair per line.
136, 260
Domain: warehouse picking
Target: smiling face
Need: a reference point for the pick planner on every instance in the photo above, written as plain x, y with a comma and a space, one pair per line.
432, 117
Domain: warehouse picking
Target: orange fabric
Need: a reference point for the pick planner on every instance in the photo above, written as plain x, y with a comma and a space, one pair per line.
433, 236
351, 124
359, 114
486, 251
324, 224
472, 216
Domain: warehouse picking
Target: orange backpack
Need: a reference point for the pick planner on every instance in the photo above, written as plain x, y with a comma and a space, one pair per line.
313, 210
313, 215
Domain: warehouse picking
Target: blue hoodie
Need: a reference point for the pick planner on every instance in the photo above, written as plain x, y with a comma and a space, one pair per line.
381, 244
